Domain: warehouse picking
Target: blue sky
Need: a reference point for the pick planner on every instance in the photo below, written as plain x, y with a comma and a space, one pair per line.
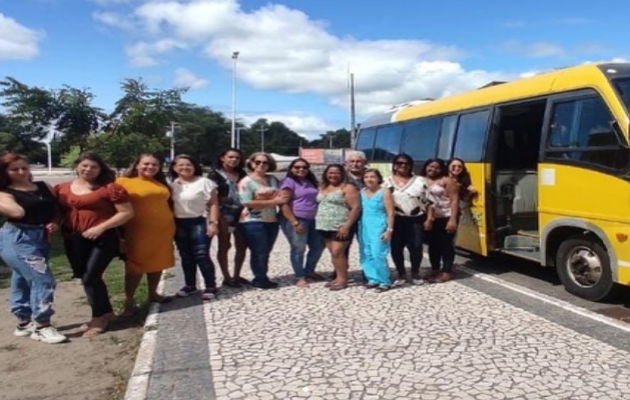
295, 54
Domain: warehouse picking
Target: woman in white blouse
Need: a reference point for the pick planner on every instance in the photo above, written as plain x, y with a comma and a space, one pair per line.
413, 215
196, 209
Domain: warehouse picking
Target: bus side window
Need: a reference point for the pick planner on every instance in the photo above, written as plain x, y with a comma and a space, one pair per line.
365, 142
471, 136
580, 132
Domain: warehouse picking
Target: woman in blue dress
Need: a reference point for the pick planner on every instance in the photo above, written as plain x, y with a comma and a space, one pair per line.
375, 230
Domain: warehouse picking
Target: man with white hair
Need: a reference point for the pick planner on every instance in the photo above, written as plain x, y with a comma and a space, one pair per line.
356, 163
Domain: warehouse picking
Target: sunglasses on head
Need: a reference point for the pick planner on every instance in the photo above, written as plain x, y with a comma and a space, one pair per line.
261, 162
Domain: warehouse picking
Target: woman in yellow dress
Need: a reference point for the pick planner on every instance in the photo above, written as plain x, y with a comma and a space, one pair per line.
149, 234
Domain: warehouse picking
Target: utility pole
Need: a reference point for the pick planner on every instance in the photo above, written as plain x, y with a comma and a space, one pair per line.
233, 131
330, 141
353, 121
262, 131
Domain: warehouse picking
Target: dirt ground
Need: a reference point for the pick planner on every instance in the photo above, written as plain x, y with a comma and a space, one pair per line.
80, 369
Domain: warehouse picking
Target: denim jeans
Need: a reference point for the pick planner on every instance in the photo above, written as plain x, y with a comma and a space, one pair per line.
25, 249
260, 238
298, 242
193, 245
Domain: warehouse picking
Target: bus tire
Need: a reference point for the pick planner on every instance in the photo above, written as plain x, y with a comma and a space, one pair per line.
584, 268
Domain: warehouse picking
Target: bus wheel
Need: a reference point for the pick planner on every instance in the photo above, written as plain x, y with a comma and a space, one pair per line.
584, 268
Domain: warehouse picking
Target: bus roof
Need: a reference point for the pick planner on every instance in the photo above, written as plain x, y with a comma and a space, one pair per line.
583, 76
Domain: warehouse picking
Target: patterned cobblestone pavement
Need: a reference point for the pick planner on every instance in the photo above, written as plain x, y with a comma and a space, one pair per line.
447, 341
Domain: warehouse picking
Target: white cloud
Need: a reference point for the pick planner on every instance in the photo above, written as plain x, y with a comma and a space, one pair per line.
186, 79
283, 49
145, 54
115, 20
535, 50
17, 42
309, 126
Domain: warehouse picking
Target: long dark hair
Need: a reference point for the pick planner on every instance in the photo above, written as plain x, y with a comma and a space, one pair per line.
344, 175
171, 169
6, 160
310, 176
240, 168
463, 179
405, 157
440, 162
159, 177
106, 176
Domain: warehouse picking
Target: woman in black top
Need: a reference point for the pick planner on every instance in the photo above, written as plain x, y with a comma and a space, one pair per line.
30, 208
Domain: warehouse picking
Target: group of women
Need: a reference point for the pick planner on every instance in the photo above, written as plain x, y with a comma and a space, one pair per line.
140, 216
135, 217
388, 215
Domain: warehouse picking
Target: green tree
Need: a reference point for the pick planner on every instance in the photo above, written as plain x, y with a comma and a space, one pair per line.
145, 111
119, 150
200, 132
78, 118
30, 108
339, 139
278, 138
68, 159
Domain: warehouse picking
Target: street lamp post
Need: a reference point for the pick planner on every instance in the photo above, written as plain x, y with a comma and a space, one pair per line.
171, 135
233, 132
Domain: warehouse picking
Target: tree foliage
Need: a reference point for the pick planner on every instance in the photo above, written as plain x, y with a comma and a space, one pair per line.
138, 124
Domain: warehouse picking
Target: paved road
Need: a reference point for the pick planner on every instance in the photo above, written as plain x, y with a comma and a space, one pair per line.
466, 339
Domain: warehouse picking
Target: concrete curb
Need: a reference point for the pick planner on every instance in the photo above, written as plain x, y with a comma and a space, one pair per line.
548, 299
138, 384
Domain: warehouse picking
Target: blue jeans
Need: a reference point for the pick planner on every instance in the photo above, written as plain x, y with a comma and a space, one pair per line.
298, 242
193, 245
25, 249
260, 238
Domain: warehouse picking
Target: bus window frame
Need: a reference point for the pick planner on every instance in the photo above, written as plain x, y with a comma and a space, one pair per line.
575, 96
489, 126
390, 125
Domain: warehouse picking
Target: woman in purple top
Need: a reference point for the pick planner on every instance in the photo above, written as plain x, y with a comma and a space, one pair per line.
298, 221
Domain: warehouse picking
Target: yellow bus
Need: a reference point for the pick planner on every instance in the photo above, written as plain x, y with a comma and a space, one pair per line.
549, 156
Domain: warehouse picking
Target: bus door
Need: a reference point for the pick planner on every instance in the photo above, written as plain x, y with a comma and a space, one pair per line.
515, 152
463, 136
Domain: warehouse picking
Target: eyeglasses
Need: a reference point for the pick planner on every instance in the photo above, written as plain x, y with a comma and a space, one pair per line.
401, 163
260, 162
455, 166
304, 167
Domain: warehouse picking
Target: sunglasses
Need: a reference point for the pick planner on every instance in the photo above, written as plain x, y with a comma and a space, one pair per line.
259, 162
455, 166
401, 163
304, 167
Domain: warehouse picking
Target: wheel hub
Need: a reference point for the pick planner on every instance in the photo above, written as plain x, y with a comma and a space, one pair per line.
584, 267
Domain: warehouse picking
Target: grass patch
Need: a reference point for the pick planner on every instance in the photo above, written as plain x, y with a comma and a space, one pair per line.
114, 276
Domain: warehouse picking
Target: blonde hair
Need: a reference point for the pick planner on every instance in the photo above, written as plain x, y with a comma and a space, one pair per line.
272, 163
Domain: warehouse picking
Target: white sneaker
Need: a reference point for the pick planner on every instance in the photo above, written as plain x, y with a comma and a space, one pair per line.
24, 331
420, 282
48, 334
400, 282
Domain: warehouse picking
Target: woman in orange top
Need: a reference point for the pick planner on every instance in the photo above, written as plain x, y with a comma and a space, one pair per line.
93, 205
149, 235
